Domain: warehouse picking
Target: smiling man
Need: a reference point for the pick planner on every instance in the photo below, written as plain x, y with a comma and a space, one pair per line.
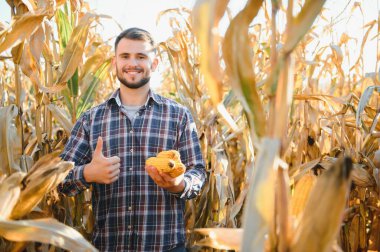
136, 207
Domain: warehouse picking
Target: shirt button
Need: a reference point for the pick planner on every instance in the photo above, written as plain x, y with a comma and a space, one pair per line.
131, 150
129, 227
129, 208
131, 131
130, 169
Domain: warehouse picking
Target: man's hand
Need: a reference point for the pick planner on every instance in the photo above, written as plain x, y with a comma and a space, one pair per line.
101, 169
174, 185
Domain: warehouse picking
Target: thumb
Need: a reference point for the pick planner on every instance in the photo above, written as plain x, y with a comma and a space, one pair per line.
99, 147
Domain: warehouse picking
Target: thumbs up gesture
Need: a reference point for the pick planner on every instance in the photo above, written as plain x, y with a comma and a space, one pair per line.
101, 169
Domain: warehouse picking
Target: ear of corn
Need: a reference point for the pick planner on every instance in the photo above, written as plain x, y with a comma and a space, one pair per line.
319, 222
301, 193
177, 170
172, 154
162, 164
168, 162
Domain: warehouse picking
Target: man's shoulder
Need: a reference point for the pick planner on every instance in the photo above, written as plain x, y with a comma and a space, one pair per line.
102, 106
91, 112
165, 101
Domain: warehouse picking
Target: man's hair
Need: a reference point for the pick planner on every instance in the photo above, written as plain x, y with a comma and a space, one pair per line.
135, 34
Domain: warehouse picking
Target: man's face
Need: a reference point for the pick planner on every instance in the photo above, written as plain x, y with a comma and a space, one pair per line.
134, 62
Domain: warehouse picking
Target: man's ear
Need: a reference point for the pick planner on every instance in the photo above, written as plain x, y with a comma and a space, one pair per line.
154, 64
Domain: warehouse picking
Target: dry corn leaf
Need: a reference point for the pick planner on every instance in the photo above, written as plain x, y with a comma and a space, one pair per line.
44, 176
17, 53
354, 233
278, 123
322, 217
30, 67
72, 56
237, 56
206, 16
10, 189
221, 238
36, 43
30, 5
2, 27
362, 228
364, 99
182, 88
92, 64
10, 141
374, 235
61, 117
361, 177
21, 29
370, 25
45, 231
298, 172
89, 85
205, 31
301, 24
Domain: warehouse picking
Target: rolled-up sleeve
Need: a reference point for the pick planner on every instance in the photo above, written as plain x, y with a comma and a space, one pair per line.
77, 150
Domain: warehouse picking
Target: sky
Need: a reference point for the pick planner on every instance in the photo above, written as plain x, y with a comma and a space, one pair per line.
143, 14
140, 13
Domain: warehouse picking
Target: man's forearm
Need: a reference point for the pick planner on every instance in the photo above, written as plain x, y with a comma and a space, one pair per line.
194, 179
74, 182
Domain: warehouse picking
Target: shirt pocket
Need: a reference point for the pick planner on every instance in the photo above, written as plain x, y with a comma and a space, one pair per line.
158, 143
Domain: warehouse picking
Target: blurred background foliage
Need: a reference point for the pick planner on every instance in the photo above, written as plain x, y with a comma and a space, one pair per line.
276, 108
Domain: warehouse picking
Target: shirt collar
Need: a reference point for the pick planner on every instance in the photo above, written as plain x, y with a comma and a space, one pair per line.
115, 97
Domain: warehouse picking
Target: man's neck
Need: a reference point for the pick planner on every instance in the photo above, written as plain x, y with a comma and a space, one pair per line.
133, 97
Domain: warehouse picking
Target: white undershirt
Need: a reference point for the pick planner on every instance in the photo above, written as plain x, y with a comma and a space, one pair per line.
131, 111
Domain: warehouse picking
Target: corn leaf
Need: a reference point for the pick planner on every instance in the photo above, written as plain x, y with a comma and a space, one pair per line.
237, 56
10, 142
44, 176
364, 99
10, 189
221, 238
206, 16
21, 29
302, 23
86, 99
73, 53
45, 231
61, 117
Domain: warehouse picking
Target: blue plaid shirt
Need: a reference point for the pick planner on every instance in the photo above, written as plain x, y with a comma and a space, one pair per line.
133, 213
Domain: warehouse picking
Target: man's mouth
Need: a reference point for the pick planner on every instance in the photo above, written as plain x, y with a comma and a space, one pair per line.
133, 71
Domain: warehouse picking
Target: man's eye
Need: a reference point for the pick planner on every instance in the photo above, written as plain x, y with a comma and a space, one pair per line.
142, 57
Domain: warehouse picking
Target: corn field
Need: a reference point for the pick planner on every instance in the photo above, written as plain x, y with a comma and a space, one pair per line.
288, 124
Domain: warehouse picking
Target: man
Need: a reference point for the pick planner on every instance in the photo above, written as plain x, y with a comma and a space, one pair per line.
136, 208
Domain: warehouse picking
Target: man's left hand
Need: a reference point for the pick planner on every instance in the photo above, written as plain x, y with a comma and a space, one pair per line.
163, 180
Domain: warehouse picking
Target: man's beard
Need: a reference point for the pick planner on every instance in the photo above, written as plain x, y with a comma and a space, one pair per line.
136, 85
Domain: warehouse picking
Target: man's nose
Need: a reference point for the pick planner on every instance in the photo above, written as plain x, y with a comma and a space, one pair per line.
132, 61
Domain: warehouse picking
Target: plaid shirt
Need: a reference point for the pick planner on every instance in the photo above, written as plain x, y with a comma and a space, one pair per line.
133, 213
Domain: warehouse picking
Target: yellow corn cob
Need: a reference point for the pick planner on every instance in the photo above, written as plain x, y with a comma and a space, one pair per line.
162, 164
321, 219
172, 154
168, 162
301, 193
177, 170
